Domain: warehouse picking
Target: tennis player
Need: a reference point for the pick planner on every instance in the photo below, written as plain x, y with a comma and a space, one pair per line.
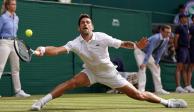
92, 48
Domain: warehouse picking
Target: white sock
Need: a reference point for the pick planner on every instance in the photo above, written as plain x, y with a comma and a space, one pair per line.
164, 102
46, 99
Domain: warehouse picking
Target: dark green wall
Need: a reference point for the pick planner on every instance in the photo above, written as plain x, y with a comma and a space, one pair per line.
169, 6
162, 10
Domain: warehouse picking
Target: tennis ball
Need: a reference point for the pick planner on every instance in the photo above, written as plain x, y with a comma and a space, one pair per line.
28, 32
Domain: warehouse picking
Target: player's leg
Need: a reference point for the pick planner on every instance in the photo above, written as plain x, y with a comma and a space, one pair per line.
132, 92
114, 80
78, 80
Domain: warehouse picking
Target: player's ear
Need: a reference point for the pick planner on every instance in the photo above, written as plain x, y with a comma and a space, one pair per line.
92, 27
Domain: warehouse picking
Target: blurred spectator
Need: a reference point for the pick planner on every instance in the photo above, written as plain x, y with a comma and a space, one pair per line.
150, 57
181, 11
8, 32
182, 52
169, 55
191, 50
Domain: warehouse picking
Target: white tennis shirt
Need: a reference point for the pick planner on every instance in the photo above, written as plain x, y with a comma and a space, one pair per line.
94, 53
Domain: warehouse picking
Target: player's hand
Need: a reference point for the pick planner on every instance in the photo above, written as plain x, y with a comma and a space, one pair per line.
142, 43
40, 51
142, 66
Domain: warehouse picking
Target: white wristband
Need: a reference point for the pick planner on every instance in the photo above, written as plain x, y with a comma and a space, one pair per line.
42, 50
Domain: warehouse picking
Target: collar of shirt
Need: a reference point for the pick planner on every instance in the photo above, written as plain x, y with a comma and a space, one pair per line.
82, 40
9, 14
161, 37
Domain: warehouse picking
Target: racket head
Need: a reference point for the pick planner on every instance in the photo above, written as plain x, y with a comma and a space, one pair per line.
22, 50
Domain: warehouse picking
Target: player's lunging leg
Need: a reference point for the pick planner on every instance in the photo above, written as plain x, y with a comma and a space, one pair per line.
132, 92
80, 80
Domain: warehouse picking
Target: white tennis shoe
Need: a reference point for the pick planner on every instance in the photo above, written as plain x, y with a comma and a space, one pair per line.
181, 90
176, 103
37, 106
189, 89
21, 93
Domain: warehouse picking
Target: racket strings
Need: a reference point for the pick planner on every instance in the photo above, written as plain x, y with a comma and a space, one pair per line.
23, 50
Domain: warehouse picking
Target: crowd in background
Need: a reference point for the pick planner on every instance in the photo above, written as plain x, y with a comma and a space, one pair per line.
181, 48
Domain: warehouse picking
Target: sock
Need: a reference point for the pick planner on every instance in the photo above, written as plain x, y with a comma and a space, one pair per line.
46, 99
164, 102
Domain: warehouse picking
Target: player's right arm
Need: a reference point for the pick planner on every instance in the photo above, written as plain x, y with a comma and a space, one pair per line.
50, 51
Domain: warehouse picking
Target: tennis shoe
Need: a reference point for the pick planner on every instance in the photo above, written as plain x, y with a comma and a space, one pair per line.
176, 103
37, 106
181, 90
21, 93
189, 89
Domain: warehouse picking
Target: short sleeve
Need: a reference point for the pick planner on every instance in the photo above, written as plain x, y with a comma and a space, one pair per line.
112, 42
68, 46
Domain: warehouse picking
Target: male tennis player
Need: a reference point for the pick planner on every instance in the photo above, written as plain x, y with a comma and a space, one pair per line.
92, 48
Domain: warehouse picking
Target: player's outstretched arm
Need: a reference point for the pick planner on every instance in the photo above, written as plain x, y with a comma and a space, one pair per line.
131, 45
50, 51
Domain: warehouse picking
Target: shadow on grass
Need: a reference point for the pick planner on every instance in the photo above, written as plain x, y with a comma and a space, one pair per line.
103, 108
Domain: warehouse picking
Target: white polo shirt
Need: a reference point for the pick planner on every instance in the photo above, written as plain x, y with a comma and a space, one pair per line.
94, 53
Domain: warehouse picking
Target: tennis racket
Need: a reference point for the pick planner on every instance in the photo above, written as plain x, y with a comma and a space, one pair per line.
23, 51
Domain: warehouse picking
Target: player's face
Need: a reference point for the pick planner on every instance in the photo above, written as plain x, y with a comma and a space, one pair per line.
12, 6
86, 26
166, 33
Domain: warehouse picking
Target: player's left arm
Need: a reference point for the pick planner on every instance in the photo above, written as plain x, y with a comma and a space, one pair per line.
131, 45
127, 44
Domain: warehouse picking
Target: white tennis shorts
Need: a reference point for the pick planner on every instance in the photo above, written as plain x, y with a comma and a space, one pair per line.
111, 79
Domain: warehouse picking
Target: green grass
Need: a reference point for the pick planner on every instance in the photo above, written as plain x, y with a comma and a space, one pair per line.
94, 103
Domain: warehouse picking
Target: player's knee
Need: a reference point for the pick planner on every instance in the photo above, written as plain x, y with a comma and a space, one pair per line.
74, 83
140, 95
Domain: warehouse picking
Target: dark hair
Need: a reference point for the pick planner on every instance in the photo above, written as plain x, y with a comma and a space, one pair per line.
163, 27
83, 16
181, 6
